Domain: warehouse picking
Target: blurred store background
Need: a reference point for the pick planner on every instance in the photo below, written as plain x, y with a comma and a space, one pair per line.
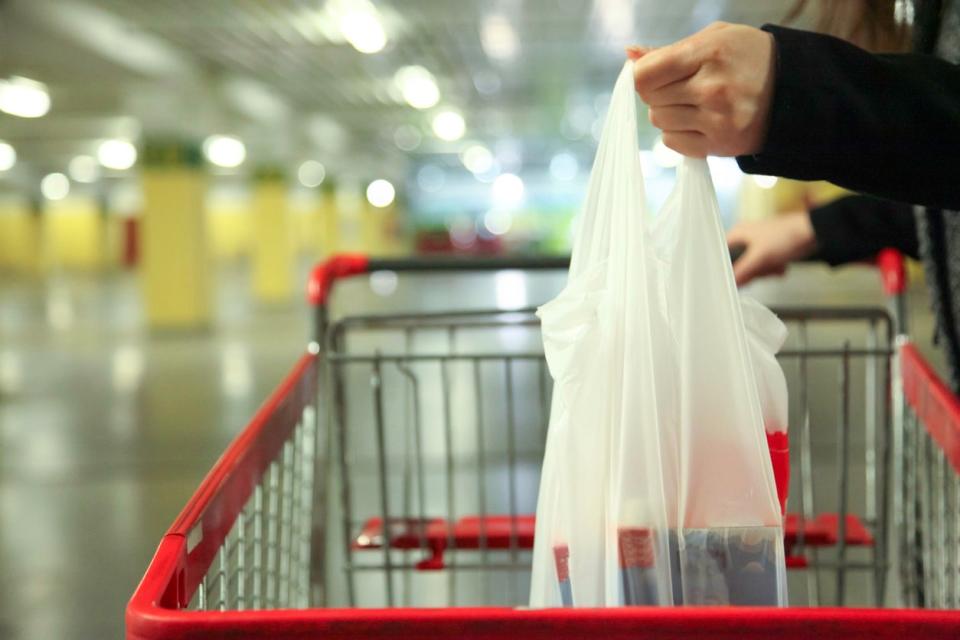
174, 136
170, 169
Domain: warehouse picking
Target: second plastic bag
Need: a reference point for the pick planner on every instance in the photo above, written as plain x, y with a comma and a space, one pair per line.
657, 485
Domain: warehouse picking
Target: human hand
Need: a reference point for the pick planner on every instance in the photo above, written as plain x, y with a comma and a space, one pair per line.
770, 245
710, 93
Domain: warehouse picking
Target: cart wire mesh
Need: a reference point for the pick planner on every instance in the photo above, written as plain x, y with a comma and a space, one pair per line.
389, 374
410, 479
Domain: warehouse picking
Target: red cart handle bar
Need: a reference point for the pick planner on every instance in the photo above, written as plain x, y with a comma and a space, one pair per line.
325, 275
893, 272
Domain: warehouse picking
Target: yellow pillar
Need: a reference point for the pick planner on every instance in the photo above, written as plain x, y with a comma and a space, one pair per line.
302, 205
273, 247
329, 241
73, 233
19, 236
229, 224
350, 213
174, 267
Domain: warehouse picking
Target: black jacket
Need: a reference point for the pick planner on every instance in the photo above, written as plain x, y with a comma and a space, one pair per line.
830, 121
884, 125
856, 228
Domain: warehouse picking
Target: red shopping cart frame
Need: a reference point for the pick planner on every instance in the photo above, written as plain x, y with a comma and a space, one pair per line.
933, 402
157, 609
189, 546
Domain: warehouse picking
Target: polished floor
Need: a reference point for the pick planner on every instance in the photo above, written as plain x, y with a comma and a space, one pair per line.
106, 428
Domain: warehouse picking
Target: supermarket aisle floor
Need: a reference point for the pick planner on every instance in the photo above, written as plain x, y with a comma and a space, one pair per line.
105, 429
104, 432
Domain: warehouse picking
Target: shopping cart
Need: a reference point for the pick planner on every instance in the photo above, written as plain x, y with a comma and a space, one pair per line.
423, 444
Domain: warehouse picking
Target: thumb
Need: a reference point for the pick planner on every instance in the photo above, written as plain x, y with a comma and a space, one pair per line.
635, 52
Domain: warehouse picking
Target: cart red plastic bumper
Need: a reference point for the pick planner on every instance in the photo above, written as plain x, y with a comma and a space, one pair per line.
501, 532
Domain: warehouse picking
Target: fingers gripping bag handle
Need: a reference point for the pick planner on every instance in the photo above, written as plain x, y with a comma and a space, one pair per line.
625, 514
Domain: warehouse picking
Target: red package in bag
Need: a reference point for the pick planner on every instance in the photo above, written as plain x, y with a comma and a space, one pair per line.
766, 334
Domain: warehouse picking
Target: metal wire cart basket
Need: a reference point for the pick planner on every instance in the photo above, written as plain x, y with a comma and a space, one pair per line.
387, 487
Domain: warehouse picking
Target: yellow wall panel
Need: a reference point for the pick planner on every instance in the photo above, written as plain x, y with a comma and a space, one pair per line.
229, 229
328, 241
19, 238
175, 267
273, 245
73, 233
302, 207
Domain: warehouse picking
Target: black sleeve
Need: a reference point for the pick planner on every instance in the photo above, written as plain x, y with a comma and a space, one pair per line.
887, 125
856, 228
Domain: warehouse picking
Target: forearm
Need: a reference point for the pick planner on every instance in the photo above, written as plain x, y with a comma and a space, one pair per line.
885, 125
856, 228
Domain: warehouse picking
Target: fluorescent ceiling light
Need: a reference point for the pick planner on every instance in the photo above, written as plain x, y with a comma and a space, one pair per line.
24, 98
380, 193
449, 125
8, 156
224, 151
498, 38
311, 174
417, 86
84, 169
361, 26
117, 154
55, 186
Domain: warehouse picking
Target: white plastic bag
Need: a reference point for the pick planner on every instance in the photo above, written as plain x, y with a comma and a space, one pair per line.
657, 486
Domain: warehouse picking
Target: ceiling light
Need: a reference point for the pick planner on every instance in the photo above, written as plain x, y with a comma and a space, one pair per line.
84, 169
24, 97
507, 190
417, 86
55, 186
360, 25
380, 193
117, 154
449, 125
224, 151
8, 156
311, 174
498, 38
564, 167
490, 174
477, 159
617, 20
498, 221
